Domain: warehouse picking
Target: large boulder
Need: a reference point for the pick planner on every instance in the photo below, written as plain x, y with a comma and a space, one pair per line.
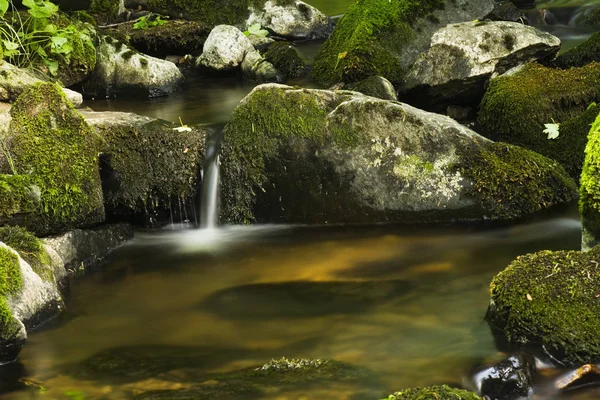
375, 86
548, 301
293, 19
121, 71
148, 165
516, 108
52, 146
382, 37
463, 57
315, 156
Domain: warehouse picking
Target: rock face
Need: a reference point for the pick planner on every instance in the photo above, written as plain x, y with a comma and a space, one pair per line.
464, 56
121, 71
296, 20
510, 379
589, 193
314, 156
382, 37
547, 301
515, 109
14, 81
375, 86
147, 164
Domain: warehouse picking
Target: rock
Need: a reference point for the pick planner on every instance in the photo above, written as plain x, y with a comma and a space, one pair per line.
20, 198
303, 298
225, 49
381, 37
375, 86
516, 108
53, 143
462, 58
14, 81
589, 194
549, 301
441, 392
256, 68
121, 71
583, 376
261, 43
460, 113
287, 59
507, 11
579, 56
510, 379
315, 156
147, 165
296, 20
108, 10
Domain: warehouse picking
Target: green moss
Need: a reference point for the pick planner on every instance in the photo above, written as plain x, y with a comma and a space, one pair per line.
512, 181
10, 283
83, 17
287, 59
144, 62
374, 86
583, 54
515, 109
509, 41
441, 392
16, 196
109, 8
550, 299
30, 249
369, 39
58, 151
589, 193
128, 54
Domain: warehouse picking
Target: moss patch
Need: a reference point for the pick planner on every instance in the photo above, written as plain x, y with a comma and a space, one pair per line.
10, 283
550, 299
441, 392
589, 193
30, 249
515, 109
16, 196
583, 54
58, 151
512, 181
106, 10
287, 59
368, 40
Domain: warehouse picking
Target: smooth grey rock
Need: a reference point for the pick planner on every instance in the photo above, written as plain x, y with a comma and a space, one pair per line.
224, 49
261, 43
121, 71
464, 56
295, 21
14, 80
375, 86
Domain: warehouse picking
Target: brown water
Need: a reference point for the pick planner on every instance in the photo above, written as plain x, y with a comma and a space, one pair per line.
173, 308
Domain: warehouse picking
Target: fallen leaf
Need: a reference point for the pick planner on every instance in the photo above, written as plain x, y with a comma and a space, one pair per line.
529, 297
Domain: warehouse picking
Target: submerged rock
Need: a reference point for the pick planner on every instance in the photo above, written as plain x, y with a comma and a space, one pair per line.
375, 86
382, 37
441, 392
121, 71
516, 108
315, 156
510, 379
549, 301
147, 164
463, 57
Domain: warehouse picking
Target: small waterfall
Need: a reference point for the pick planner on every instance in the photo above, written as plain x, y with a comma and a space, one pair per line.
209, 200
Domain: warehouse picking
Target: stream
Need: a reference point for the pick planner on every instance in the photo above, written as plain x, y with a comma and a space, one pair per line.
177, 308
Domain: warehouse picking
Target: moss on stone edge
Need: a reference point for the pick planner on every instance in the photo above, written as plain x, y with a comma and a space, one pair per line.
109, 8
256, 128
369, 39
589, 192
58, 151
563, 314
213, 12
15, 196
583, 54
512, 181
441, 392
286, 58
515, 109
10, 283
30, 249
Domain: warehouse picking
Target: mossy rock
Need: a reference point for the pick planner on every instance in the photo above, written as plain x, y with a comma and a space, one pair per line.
589, 193
30, 248
105, 10
17, 196
12, 336
58, 152
515, 109
383, 37
583, 54
548, 300
315, 156
147, 164
287, 59
441, 392
376, 86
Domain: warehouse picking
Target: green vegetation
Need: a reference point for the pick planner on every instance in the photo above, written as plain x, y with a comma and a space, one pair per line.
10, 283
589, 193
583, 54
369, 39
515, 109
148, 21
286, 58
107, 8
16, 196
550, 299
441, 392
256, 30
30, 249
58, 151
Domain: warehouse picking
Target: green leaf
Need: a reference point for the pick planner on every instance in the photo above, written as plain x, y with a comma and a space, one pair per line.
40, 9
255, 29
552, 130
9, 45
3, 7
52, 66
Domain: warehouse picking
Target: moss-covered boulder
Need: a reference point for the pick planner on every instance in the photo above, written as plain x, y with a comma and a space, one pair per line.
30, 248
375, 86
18, 198
589, 193
583, 54
516, 108
441, 392
383, 37
55, 149
148, 165
548, 300
315, 156
287, 59
12, 332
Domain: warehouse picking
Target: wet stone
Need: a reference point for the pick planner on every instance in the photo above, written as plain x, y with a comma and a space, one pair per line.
507, 380
586, 375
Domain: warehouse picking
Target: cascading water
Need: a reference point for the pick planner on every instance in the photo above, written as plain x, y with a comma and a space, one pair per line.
209, 200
